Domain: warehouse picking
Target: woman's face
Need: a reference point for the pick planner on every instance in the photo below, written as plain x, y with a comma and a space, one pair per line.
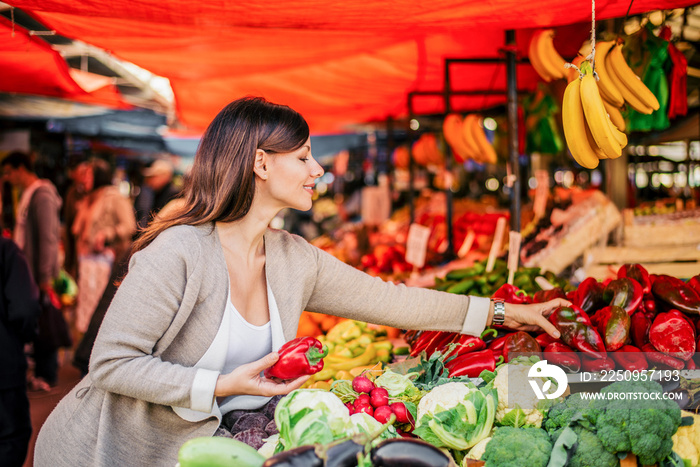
292, 176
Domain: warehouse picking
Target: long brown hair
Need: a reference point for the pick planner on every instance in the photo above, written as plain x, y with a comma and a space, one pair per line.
221, 184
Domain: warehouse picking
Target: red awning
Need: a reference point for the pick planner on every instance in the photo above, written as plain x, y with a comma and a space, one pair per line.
337, 63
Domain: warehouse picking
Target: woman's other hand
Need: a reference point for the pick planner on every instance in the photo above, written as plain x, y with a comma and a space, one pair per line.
248, 379
533, 317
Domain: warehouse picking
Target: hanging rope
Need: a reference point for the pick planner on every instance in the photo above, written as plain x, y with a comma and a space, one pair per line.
12, 18
622, 25
591, 57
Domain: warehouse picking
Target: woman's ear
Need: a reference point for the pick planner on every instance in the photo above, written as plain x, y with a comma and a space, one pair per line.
260, 164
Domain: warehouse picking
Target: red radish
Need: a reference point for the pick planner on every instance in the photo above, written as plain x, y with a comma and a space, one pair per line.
350, 407
362, 384
402, 413
363, 399
366, 409
378, 397
383, 413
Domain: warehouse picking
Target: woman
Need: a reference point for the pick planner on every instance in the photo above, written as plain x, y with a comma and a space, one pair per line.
103, 227
212, 292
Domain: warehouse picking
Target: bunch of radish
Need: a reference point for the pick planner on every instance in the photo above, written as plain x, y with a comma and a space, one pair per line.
374, 400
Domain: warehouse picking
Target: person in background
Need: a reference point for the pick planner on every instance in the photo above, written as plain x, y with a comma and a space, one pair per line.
19, 310
37, 233
212, 293
103, 226
78, 173
157, 190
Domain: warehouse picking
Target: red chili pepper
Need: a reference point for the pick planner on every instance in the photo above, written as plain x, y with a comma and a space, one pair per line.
497, 345
672, 334
654, 357
542, 296
597, 364
690, 364
472, 364
520, 342
613, 324
629, 357
625, 293
439, 341
464, 344
298, 357
589, 295
562, 355
639, 329
511, 294
577, 331
545, 339
638, 273
425, 338
674, 293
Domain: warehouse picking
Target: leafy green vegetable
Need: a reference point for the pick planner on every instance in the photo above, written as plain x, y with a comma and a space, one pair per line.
432, 372
516, 447
587, 451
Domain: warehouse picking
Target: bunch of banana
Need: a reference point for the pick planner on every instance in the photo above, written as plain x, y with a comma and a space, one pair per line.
467, 138
544, 57
589, 131
619, 84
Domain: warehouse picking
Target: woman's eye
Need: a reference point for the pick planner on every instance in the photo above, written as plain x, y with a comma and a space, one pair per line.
304, 159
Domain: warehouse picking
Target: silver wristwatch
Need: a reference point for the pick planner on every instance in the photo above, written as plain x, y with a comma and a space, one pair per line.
499, 311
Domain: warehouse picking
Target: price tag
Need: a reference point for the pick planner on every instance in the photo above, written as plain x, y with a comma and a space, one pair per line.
466, 244
514, 239
417, 244
376, 204
497, 243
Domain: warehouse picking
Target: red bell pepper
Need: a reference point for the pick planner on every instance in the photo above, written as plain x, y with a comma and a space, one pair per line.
690, 364
625, 293
629, 357
298, 357
520, 342
545, 339
542, 296
589, 295
639, 329
613, 324
597, 364
441, 339
423, 341
472, 364
464, 344
638, 273
497, 345
648, 306
672, 334
577, 331
694, 283
676, 294
562, 355
656, 358
511, 294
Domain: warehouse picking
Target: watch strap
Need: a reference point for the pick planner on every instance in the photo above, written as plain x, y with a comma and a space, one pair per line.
499, 311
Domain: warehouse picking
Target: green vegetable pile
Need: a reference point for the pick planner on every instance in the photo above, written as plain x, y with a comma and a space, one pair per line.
516, 447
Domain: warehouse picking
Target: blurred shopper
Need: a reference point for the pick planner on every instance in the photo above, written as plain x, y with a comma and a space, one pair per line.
78, 173
103, 226
157, 190
19, 310
37, 233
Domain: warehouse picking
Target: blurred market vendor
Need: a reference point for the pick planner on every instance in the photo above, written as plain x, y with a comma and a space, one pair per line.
212, 293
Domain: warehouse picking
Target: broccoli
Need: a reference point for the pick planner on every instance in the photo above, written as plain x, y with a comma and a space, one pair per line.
573, 409
643, 425
588, 451
515, 447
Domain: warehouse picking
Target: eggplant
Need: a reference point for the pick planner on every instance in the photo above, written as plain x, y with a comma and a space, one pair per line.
303, 456
408, 453
344, 454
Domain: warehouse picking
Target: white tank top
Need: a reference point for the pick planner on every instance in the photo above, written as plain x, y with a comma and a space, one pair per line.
247, 343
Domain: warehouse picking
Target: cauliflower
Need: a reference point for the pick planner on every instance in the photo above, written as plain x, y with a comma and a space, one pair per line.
477, 451
446, 396
517, 402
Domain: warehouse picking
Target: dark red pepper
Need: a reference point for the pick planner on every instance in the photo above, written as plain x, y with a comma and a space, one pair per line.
694, 283
589, 295
464, 344
520, 343
672, 334
511, 294
629, 357
676, 294
597, 364
649, 307
656, 358
577, 331
625, 293
562, 355
690, 364
639, 329
613, 324
542, 296
638, 273
472, 364
298, 357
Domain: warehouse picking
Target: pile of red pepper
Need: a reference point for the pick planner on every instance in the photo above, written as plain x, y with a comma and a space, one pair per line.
634, 322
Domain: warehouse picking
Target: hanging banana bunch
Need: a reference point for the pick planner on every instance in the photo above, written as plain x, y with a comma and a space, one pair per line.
467, 138
544, 57
634, 92
588, 129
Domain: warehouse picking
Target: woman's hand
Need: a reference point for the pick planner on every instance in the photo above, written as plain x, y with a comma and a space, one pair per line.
533, 317
247, 379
